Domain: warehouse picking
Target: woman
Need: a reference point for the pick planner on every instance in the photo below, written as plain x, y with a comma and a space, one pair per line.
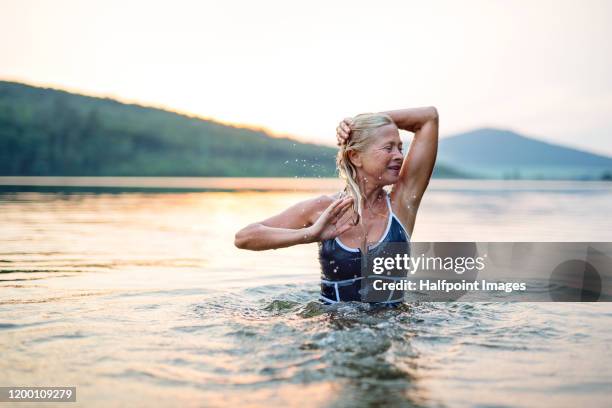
364, 215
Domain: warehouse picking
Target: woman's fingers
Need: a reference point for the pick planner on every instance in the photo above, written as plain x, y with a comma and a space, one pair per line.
343, 131
337, 208
344, 207
330, 211
341, 136
335, 204
346, 125
345, 215
341, 230
336, 218
344, 224
341, 209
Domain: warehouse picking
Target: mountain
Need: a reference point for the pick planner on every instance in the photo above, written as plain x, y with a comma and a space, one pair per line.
48, 132
495, 153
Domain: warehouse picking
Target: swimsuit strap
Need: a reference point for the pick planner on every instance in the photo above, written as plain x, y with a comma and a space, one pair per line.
396, 217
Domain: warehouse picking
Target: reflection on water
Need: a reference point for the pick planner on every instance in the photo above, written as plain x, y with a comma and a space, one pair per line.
140, 298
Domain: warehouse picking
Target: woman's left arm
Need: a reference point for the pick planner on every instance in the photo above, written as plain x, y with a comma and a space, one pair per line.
421, 158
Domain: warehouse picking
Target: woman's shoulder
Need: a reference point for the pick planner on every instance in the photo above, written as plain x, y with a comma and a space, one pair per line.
316, 205
324, 200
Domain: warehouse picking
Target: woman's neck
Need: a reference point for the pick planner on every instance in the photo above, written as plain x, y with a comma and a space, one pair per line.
372, 193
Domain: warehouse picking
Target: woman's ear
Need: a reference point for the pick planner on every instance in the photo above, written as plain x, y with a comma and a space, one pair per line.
355, 158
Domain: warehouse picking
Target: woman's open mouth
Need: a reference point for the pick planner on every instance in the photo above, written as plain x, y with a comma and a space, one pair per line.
395, 168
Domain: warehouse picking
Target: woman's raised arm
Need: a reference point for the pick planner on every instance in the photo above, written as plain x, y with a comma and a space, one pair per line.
419, 163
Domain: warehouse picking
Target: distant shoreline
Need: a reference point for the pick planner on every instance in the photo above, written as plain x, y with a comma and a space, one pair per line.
282, 184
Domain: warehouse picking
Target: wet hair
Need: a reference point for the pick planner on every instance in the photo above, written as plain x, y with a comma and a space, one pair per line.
363, 127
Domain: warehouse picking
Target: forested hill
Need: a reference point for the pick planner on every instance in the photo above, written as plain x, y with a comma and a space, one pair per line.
51, 132
47, 132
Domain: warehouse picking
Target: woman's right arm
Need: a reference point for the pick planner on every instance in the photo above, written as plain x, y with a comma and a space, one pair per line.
299, 224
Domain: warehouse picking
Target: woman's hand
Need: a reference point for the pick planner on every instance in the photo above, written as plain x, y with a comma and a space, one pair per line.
343, 131
333, 221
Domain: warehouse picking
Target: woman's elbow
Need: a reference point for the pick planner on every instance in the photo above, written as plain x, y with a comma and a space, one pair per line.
244, 238
434, 113
240, 240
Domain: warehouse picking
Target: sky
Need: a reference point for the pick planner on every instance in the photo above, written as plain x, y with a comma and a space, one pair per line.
541, 68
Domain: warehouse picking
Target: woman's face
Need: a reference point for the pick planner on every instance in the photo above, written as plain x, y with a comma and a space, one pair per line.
382, 160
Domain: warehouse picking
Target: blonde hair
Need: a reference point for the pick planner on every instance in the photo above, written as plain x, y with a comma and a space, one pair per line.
363, 127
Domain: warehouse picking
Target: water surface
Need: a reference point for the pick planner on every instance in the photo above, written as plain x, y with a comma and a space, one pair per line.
139, 298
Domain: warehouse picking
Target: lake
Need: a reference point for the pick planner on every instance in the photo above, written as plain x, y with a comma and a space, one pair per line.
131, 290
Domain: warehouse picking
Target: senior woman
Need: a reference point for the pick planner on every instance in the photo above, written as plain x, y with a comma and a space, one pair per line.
378, 204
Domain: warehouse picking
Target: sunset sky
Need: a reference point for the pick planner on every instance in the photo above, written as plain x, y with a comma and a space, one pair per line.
541, 68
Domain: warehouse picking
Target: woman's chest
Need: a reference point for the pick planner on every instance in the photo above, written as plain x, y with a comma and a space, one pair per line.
373, 230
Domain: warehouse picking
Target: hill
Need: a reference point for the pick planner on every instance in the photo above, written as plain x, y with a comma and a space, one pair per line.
48, 132
495, 153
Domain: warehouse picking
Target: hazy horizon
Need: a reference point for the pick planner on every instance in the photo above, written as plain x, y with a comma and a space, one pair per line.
295, 70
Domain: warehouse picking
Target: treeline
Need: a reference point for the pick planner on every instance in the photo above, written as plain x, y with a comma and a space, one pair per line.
46, 132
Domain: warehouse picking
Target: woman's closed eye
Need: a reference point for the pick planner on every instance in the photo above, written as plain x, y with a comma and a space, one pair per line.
389, 148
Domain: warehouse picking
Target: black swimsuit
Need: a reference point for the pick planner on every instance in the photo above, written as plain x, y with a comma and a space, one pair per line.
341, 266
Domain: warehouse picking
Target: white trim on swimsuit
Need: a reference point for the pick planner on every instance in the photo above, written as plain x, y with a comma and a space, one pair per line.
391, 216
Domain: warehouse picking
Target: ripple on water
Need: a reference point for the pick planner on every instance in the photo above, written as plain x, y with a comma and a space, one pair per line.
290, 337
